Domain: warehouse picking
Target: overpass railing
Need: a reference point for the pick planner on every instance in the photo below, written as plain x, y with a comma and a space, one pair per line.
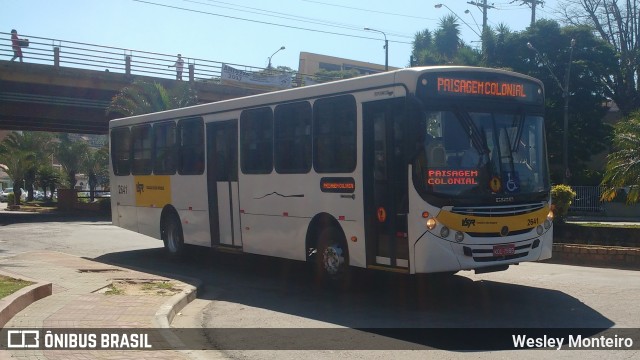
56, 52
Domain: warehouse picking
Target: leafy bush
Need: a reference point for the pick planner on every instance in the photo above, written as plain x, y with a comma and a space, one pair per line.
105, 204
561, 198
11, 199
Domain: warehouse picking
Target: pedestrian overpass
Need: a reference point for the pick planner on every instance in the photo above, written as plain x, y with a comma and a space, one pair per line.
65, 86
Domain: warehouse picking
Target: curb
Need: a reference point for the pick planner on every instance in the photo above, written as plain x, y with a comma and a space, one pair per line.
613, 257
18, 301
165, 314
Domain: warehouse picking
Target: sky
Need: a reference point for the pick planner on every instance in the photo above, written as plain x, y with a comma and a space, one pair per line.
248, 32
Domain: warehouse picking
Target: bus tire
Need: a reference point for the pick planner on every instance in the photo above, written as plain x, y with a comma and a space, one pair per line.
332, 257
172, 236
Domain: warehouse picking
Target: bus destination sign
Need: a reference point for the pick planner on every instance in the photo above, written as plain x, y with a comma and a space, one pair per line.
479, 85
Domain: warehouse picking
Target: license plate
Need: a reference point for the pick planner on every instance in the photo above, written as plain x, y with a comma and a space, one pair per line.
504, 250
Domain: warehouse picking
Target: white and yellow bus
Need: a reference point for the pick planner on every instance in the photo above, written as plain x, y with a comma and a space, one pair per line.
420, 170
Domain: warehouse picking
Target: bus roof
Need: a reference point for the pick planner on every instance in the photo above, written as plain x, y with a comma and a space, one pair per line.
406, 77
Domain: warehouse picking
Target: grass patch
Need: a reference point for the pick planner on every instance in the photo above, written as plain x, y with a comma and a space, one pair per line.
10, 285
161, 288
141, 288
114, 290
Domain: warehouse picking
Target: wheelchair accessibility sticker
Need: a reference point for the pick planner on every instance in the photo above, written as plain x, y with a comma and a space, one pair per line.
511, 181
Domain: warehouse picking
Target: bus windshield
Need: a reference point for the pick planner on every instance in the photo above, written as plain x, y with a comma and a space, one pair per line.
467, 155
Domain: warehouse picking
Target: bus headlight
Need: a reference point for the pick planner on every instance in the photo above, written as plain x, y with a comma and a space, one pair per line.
459, 236
539, 229
431, 224
444, 232
550, 216
547, 224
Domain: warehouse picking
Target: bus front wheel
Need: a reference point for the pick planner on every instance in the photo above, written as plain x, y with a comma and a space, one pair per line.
332, 258
172, 236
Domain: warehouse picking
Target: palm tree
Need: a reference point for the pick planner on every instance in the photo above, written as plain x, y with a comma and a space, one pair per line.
48, 178
25, 150
447, 38
70, 155
95, 166
623, 167
17, 164
143, 97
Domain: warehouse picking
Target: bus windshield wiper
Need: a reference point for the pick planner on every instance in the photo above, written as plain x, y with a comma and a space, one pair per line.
472, 131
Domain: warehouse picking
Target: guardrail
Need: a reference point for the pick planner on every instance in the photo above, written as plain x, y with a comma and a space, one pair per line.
97, 194
57, 52
587, 199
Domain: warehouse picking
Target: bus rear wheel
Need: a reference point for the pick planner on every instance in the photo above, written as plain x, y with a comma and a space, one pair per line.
332, 258
172, 237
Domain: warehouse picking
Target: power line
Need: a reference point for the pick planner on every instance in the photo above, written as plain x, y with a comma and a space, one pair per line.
371, 11
282, 15
265, 22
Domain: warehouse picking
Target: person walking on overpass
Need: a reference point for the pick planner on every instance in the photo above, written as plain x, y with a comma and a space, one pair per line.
15, 45
179, 65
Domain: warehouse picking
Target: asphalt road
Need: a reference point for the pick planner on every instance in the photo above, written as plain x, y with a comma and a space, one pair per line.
255, 292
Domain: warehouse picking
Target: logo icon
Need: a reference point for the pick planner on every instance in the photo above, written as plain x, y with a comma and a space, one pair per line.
23, 339
139, 188
468, 222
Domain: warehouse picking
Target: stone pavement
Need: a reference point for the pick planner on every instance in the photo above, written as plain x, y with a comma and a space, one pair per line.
78, 301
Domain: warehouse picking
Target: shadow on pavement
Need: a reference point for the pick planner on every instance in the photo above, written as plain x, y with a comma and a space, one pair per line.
372, 301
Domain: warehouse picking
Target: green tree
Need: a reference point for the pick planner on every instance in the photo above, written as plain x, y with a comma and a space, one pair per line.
95, 165
323, 76
617, 23
143, 97
623, 167
70, 154
18, 163
447, 38
22, 152
48, 178
443, 46
591, 60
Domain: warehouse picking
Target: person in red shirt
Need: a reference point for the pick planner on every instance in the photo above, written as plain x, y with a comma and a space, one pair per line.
15, 45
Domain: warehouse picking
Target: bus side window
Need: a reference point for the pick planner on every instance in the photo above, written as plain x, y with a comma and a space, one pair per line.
191, 142
292, 138
142, 162
334, 134
256, 141
121, 151
164, 145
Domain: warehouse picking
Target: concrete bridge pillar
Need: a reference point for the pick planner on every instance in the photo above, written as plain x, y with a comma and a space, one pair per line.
56, 56
127, 64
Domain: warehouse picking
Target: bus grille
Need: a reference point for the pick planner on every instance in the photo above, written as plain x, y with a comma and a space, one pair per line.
495, 211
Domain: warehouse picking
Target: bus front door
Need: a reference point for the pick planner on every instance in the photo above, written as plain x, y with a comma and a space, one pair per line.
385, 183
222, 183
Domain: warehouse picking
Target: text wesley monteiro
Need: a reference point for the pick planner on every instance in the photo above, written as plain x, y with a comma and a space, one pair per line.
573, 342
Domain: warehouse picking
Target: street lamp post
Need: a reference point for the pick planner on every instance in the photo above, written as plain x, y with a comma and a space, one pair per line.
438, 6
474, 19
386, 48
269, 66
565, 95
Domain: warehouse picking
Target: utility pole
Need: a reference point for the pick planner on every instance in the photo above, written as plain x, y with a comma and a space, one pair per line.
532, 4
484, 7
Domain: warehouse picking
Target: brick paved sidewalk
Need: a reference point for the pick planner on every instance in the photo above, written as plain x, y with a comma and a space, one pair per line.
77, 302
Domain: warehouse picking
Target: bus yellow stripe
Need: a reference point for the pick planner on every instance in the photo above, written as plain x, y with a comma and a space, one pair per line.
485, 224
